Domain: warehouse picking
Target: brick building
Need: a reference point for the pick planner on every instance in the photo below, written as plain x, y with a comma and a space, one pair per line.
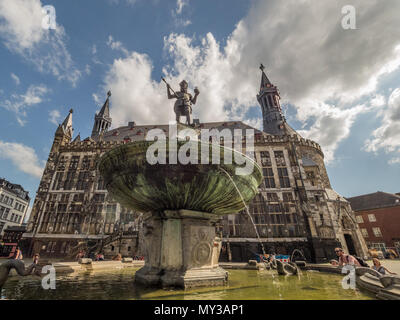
378, 215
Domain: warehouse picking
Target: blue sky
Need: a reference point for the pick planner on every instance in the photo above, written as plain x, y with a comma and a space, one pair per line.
339, 87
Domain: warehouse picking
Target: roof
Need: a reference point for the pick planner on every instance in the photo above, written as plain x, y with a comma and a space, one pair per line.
105, 110
137, 132
16, 189
264, 81
374, 200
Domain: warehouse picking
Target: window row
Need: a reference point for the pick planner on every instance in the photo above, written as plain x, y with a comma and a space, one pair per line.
74, 163
6, 199
275, 218
269, 178
266, 158
4, 214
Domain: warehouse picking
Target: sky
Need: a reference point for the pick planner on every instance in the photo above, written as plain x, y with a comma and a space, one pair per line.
339, 86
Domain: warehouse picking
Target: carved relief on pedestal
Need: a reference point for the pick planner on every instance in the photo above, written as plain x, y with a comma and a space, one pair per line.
202, 248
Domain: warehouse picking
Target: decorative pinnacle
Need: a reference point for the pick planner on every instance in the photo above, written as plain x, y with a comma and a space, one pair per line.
262, 67
109, 93
71, 110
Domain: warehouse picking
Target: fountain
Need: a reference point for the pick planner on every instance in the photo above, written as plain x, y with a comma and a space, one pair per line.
181, 206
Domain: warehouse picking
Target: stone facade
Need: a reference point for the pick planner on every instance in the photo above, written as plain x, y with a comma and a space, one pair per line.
296, 207
72, 210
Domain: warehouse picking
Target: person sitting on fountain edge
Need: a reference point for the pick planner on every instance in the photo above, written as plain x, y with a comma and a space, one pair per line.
379, 267
345, 259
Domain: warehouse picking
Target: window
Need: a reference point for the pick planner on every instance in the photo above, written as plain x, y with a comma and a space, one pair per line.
272, 197
99, 197
69, 180
61, 164
360, 219
283, 178
74, 163
269, 178
287, 196
100, 184
2, 224
371, 217
5, 214
265, 159
377, 232
85, 163
364, 232
58, 181
82, 180
279, 158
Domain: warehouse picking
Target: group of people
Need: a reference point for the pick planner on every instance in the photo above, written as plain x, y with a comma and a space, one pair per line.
96, 256
347, 259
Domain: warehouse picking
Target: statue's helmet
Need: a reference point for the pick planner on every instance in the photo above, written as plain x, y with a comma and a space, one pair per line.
183, 84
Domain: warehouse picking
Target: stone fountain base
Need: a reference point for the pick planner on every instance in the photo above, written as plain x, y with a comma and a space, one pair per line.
182, 250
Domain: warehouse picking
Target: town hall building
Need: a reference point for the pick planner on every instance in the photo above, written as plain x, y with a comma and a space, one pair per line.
296, 207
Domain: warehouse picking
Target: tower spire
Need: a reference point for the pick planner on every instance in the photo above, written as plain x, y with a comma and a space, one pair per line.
66, 126
269, 100
102, 120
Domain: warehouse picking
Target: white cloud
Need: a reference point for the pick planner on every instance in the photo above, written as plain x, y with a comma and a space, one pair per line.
387, 136
96, 98
320, 68
177, 14
54, 116
22, 32
16, 79
23, 157
116, 45
18, 103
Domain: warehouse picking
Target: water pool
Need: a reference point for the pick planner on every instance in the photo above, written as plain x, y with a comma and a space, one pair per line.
242, 284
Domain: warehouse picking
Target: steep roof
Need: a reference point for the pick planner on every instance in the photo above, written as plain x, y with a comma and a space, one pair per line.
105, 110
374, 200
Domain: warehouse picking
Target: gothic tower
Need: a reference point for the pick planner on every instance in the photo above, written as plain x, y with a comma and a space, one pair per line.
268, 98
63, 133
102, 120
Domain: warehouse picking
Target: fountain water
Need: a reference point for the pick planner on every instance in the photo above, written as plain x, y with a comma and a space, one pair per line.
246, 209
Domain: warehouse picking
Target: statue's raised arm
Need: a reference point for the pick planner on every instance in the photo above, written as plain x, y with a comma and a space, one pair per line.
183, 104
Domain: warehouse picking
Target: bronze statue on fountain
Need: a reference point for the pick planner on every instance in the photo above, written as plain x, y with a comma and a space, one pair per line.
184, 101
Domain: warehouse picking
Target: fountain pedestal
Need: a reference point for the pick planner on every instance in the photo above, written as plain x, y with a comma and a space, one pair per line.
182, 250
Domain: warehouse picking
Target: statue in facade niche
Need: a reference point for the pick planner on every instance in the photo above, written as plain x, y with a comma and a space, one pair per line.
184, 101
